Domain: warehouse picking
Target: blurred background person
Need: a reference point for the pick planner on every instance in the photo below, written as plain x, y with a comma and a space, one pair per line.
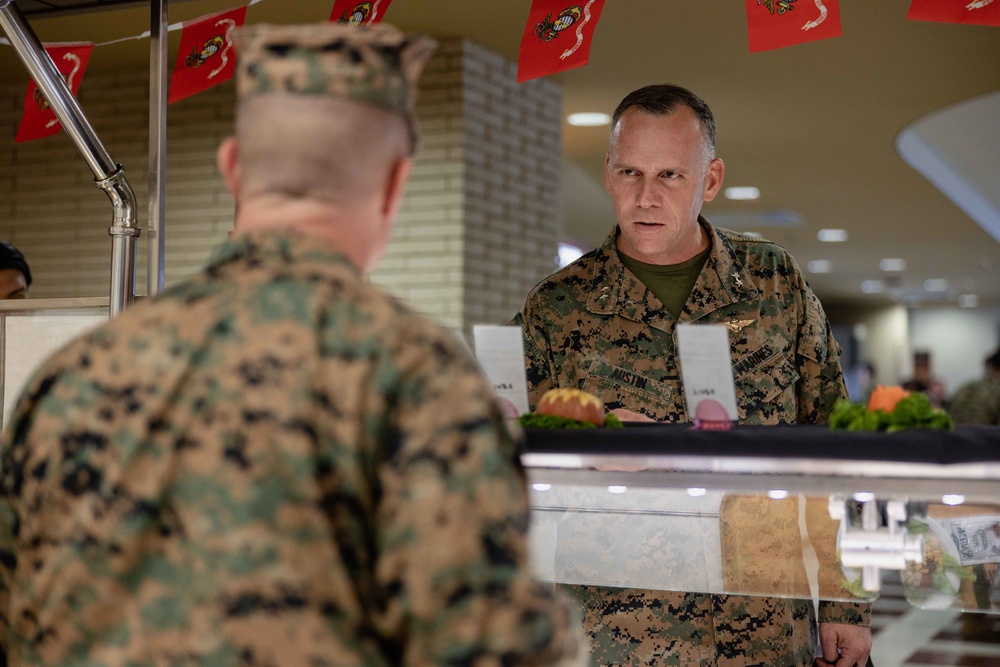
978, 402
923, 381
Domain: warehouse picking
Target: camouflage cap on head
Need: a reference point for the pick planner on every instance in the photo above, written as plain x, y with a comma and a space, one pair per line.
376, 64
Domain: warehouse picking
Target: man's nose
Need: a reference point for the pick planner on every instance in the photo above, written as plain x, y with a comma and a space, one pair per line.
647, 195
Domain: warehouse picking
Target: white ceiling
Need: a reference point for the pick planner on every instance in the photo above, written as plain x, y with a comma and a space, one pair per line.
813, 126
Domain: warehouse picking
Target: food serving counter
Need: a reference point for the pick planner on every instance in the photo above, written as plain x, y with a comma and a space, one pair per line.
786, 511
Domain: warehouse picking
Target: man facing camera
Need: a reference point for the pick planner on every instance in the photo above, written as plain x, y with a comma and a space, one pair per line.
606, 324
274, 462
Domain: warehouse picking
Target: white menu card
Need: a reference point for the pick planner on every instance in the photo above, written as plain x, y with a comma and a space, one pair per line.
500, 351
706, 370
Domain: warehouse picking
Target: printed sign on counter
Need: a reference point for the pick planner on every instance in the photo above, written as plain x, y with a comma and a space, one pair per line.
707, 372
500, 351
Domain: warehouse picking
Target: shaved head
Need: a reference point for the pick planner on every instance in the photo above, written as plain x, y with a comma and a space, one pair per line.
317, 147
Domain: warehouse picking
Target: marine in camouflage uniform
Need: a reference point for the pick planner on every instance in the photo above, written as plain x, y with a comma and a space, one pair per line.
978, 402
272, 463
595, 326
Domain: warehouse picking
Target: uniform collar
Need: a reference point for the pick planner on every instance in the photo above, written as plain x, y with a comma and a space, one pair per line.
615, 290
274, 248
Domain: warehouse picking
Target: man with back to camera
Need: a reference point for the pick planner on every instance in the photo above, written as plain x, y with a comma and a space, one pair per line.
605, 324
15, 276
274, 462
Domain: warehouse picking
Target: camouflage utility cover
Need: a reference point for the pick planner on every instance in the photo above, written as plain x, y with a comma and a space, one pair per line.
273, 463
378, 64
594, 326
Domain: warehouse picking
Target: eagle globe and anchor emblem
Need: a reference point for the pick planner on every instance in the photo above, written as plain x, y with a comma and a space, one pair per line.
548, 29
363, 12
217, 45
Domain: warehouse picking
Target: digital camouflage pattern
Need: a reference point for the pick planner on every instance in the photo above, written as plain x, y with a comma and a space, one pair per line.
375, 64
594, 326
977, 402
273, 463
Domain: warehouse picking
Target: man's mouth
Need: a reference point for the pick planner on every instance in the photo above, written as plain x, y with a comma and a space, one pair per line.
647, 225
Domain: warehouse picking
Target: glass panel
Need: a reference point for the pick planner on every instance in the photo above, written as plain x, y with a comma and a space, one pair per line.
776, 543
31, 330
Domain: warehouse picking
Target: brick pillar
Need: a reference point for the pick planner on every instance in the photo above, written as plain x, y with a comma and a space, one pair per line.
482, 217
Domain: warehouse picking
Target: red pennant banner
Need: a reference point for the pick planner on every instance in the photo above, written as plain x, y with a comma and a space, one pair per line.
359, 13
39, 120
557, 37
977, 12
205, 57
774, 24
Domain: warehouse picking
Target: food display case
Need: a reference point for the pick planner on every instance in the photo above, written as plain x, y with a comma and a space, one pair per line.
786, 511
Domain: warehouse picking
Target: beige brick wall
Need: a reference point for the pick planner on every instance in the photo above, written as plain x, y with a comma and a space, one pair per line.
478, 228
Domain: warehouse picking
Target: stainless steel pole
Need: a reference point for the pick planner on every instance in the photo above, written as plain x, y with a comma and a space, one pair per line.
156, 223
109, 175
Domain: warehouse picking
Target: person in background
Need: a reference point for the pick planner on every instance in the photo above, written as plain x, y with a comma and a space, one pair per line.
275, 462
15, 276
978, 402
606, 323
924, 382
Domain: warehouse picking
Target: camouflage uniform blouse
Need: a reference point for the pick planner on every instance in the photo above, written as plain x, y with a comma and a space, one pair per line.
977, 402
595, 326
273, 463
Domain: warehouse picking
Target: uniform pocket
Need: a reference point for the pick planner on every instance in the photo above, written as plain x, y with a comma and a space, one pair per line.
765, 383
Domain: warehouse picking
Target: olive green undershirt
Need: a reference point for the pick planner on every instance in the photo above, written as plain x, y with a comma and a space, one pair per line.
670, 283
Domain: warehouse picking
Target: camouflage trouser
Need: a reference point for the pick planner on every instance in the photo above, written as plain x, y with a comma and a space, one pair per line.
636, 628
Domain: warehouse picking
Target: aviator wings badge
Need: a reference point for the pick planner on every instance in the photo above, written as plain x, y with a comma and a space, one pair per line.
737, 325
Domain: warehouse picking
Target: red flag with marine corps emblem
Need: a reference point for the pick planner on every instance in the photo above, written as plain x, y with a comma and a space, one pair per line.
39, 120
774, 24
557, 37
974, 12
205, 57
359, 13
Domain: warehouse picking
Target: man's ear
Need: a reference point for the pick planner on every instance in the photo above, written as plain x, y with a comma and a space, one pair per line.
228, 159
395, 186
607, 172
713, 179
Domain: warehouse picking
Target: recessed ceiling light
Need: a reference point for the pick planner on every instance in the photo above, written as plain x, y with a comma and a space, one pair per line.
588, 119
968, 301
743, 193
832, 235
892, 264
936, 285
873, 287
819, 266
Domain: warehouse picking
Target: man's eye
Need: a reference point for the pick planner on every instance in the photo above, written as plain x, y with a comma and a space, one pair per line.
628, 172
670, 175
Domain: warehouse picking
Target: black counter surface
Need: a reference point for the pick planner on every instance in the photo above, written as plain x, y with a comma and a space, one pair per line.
966, 444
